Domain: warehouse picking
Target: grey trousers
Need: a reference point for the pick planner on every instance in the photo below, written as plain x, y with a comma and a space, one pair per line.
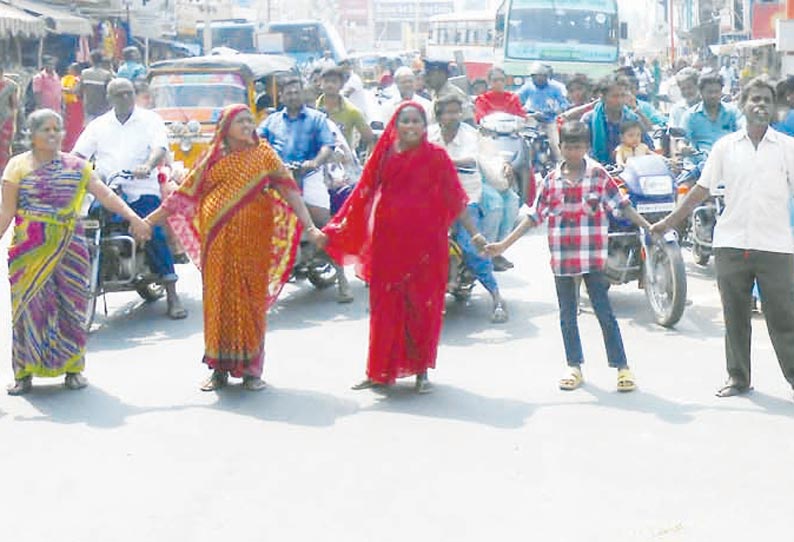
736, 271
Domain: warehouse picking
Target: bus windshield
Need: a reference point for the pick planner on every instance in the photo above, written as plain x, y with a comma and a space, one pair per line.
307, 41
562, 34
210, 90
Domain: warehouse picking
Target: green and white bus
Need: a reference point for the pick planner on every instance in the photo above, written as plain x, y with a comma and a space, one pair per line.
571, 36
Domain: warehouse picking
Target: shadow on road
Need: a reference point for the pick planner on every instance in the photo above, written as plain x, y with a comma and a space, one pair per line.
646, 403
92, 406
468, 321
139, 323
284, 405
302, 306
448, 402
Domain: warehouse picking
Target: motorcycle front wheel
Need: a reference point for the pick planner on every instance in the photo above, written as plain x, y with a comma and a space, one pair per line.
665, 283
701, 257
321, 272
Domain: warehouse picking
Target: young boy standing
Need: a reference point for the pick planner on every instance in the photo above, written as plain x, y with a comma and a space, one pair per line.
577, 198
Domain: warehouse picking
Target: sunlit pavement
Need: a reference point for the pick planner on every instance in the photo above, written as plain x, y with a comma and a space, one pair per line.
497, 452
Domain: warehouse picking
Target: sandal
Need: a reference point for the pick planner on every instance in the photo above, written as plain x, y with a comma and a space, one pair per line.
572, 379
499, 314
626, 380
217, 380
75, 381
176, 311
253, 383
21, 386
365, 384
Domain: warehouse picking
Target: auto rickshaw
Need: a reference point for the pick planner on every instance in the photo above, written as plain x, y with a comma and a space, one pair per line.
189, 93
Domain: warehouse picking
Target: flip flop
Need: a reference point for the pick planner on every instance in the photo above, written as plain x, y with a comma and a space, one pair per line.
177, 313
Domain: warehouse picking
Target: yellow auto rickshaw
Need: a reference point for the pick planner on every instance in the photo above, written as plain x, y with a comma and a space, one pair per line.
189, 93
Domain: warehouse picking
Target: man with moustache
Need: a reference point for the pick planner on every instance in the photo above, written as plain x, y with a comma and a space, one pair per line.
752, 239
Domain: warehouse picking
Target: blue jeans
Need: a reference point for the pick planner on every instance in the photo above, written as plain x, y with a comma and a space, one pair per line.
158, 254
500, 212
480, 265
567, 299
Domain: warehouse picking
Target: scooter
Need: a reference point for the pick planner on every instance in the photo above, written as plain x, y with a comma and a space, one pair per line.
633, 254
507, 139
117, 263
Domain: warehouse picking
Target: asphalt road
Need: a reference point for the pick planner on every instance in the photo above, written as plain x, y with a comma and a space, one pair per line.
497, 452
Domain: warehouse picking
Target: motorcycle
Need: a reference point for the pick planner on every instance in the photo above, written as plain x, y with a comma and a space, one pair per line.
310, 263
507, 139
700, 225
117, 263
461, 280
632, 254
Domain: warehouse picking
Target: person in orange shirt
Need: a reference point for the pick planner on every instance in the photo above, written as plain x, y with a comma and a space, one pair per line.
497, 99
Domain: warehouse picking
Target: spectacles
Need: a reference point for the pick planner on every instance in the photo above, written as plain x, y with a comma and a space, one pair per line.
122, 93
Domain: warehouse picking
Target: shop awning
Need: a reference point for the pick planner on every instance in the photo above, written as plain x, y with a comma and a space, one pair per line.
58, 19
17, 23
726, 49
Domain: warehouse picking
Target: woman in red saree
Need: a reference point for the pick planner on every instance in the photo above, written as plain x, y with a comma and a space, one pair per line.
394, 226
235, 214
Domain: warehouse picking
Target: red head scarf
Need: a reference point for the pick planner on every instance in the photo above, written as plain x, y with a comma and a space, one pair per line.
350, 230
217, 146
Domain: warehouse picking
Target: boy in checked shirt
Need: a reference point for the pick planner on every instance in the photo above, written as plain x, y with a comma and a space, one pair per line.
577, 198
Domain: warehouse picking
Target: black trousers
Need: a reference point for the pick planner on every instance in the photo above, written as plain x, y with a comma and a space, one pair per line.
736, 271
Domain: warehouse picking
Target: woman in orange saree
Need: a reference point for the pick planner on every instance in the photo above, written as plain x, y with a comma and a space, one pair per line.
394, 227
235, 214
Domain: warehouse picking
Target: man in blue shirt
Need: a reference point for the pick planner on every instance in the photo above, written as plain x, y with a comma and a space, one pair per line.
131, 68
302, 136
710, 119
546, 101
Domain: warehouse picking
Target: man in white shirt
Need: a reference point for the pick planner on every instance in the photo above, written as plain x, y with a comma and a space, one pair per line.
460, 141
405, 80
134, 139
353, 89
752, 238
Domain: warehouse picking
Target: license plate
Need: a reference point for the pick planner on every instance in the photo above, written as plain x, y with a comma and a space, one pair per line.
90, 224
655, 207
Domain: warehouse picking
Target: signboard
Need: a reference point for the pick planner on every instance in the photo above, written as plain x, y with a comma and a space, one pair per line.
401, 11
765, 18
354, 10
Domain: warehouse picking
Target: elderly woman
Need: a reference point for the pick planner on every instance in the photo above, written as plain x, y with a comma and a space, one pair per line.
48, 266
234, 216
394, 227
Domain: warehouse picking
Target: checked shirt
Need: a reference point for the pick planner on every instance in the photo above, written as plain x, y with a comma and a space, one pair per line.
578, 215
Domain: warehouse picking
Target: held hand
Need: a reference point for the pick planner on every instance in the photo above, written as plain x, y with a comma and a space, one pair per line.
308, 165
659, 228
479, 242
317, 237
507, 171
141, 172
141, 229
494, 249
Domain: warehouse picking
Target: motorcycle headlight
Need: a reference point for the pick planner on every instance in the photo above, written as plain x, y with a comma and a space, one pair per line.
186, 144
194, 126
177, 128
518, 81
656, 185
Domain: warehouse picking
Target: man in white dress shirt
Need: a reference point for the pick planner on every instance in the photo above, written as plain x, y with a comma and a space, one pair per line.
134, 139
752, 239
404, 78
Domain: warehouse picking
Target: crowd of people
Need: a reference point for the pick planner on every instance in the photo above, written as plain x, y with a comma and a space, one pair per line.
239, 213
